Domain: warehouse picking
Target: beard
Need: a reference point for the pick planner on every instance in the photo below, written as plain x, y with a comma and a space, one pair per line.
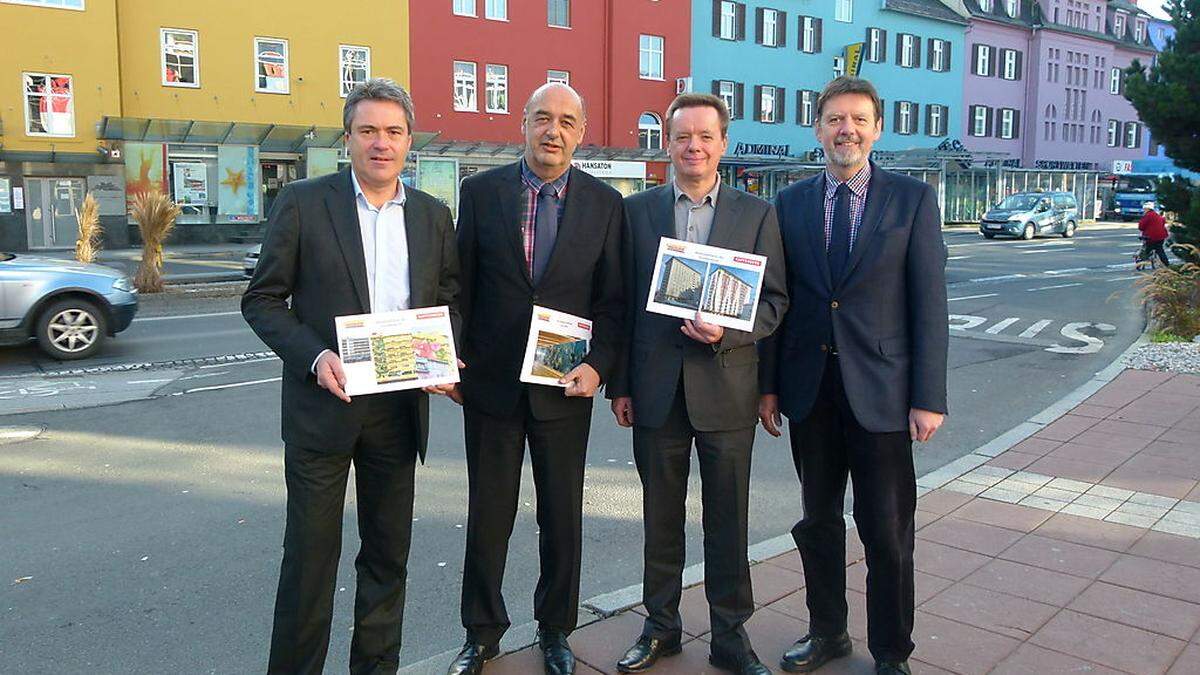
847, 155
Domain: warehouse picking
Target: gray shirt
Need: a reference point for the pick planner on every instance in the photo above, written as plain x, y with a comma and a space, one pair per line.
693, 221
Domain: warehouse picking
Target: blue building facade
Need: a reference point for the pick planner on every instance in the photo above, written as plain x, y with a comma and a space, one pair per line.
769, 59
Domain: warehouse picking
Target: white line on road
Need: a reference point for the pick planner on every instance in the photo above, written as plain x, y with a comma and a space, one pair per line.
1036, 328
147, 381
1050, 288
1071, 270
1136, 276
184, 316
1002, 324
1045, 243
1002, 277
958, 257
1038, 250
227, 386
974, 297
1119, 266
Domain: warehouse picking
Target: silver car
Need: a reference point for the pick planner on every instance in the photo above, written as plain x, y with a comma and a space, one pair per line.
1028, 214
70, 308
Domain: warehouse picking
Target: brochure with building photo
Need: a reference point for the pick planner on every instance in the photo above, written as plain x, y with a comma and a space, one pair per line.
557, 343
390, 351
722, 284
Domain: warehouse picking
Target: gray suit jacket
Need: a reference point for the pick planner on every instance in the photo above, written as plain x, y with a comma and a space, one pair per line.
720, 381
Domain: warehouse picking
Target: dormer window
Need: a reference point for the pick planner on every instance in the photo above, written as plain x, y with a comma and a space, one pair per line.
985, 5
1139, 31
1012, 7
1119, 24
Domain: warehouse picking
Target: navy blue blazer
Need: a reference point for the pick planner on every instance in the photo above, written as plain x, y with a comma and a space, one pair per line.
887, 315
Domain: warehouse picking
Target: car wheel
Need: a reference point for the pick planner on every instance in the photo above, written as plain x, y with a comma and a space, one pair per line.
71, 329
1070, 230
1029, 232
988, 235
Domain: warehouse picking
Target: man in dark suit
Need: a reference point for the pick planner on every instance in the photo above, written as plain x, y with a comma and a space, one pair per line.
353, 242
691, 381
536, 232
859, 368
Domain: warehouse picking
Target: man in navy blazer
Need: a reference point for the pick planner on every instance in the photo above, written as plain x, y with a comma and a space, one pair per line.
859, 369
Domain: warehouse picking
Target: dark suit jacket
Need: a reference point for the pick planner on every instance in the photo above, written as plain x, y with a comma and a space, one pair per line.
887, 315
583, 278
720, 381
313, 254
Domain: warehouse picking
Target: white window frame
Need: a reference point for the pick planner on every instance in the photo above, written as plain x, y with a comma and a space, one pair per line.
728, 95
770, 27
983, 60
908, 44
839, 66
345, 85
1139, 30
495, 84
985, 5
843, 10
1132, 131
1008, 119
979, 123
1012, 8
77, 6
808, 34
728, 20
470, 87
650, 131
937, 120
905, 117
1010, 64
766, 113
1114, 132
27, 97
460, 8
808, 107
1119, 24
287, 66
938, 50
495, 10
1114, 81
875, 45
650, 51
162, 56
559, 76
568, 18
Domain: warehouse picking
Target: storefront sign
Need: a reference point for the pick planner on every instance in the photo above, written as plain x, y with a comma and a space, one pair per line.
109, 193
18, 198
612, 169
1122, 166
144, 170
240, 180
762, 149
439, 177
191, 183
1056, 165
5, 195
321, 162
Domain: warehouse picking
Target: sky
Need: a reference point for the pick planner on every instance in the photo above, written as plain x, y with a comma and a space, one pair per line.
1154, 7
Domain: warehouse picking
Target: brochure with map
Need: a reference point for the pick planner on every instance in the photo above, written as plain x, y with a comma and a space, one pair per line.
720, 283
390, 351
557, 343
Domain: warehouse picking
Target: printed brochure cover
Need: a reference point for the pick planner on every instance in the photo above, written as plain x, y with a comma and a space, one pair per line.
391, 351
557, 343
722, 284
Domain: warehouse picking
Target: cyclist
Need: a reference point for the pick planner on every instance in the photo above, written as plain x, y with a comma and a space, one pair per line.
1154, 234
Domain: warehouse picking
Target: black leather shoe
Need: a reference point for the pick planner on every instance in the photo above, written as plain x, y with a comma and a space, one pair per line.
813, 651
892, 668
470, 660
646, 652
556, 653
746, 664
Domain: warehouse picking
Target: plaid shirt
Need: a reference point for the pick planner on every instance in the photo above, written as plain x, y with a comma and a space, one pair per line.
533, 185
858, 198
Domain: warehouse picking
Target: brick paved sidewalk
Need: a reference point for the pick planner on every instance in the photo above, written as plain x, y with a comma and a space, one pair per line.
1076, 551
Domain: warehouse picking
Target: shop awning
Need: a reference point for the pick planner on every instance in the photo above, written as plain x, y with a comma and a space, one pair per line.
485, 149
269, 137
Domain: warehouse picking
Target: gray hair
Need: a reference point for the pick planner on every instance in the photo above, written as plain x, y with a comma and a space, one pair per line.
377, 89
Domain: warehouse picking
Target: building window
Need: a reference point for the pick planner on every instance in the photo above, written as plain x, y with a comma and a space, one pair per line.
1012, 7
1133, 134
496, 10
936, 124
1113, 133
908, 48
57, 4
558, 13
464, 7
180, 63
558, 76
496, 89
979, 121
876, 45
1139, 31
983, 60
985, 5
905, 117
727, 90
271, 66
1114, 81
354, 63
649, 132
810, 34
1119, 24
767, 104
727, 20
843, 10
769, 31
1007, 123
839, 66
806, 107
49, 104
650, 57
464, 86
1010, 64
937, 56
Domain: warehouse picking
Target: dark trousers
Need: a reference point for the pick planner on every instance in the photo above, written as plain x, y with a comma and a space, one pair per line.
663, 461
1154, 248
384, 459
827, 446
495, 453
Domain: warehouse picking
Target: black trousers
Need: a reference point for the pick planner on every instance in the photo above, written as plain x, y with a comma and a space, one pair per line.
663, 458
827, 446
1154, 248
495, 453
384, 459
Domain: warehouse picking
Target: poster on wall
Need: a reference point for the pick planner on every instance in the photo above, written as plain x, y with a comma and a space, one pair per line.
321, 162
109, 193
144, 170
240, 188
191, 183
5, 195
439, 177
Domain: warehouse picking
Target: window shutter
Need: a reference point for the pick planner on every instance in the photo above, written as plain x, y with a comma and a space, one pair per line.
916, 52
758, 25
1137, 128
929, 120
976, 50
915, 118
929, 54
1020, 64
971, 119
867, 45
780, 105
799, 106
781, 29
758, 103
740, 20
991, 123
896, 117
817, 31
716, 18
945, 56
739, 95
882, 46
993, 57
1016, 124
899, 48
716, 87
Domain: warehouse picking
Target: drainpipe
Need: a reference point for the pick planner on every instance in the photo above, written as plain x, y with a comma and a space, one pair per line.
609, 50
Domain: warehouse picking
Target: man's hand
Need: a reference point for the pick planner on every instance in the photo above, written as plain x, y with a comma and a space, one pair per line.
583, 380
769, 415
450, 391
923, 424
330, 375
622, 409
701, 331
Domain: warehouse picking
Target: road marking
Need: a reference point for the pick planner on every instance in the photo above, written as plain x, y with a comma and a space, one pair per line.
1045, 243
1090, 345
1036, 328
1136, 276
968, 321
1071, 270
1002, 277
1001, 325
147, 381
958, 257
232, 385
184, 316
1040, 250
1119, 266
1050, 288
974, 297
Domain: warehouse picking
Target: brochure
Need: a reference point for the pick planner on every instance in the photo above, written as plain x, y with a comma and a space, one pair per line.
391, 351
722, 284
557, 343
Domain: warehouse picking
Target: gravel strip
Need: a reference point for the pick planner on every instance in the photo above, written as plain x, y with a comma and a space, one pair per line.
1174, 357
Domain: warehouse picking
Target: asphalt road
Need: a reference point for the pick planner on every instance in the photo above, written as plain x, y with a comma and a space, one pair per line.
141, 526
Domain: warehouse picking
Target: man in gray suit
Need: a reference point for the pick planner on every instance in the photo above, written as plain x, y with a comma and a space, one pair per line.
692, 381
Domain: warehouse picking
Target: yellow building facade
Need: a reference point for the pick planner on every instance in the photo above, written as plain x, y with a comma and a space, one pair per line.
109, 96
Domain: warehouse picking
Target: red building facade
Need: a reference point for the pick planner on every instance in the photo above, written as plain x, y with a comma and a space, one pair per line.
475, 62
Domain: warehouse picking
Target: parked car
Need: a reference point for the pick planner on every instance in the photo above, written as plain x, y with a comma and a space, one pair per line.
251, 260
70, 308
1028, 214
